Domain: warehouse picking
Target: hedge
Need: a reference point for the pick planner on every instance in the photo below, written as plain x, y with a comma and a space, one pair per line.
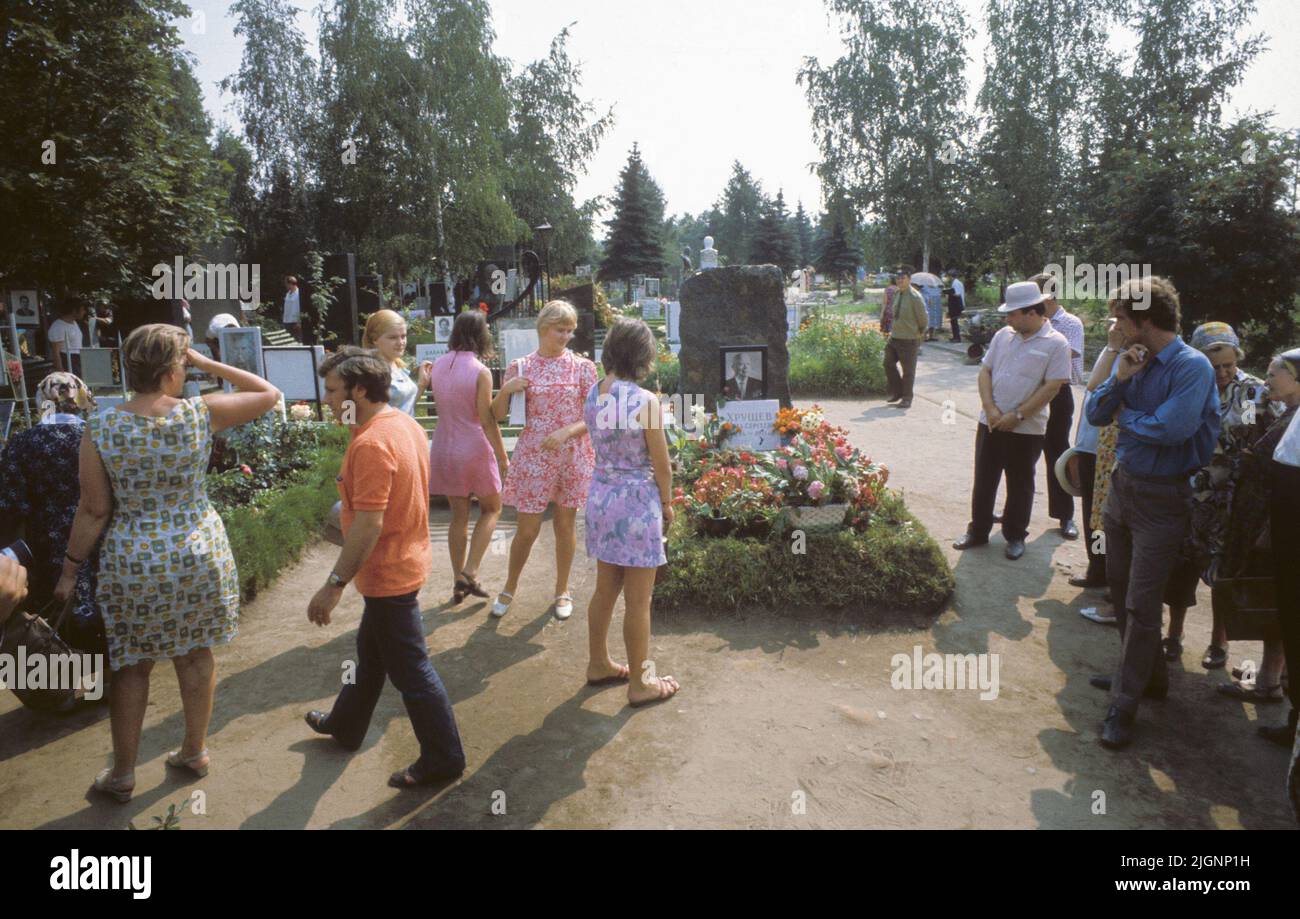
271, 533
891, 569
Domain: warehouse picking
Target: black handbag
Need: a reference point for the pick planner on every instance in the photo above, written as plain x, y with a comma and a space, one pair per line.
24, 637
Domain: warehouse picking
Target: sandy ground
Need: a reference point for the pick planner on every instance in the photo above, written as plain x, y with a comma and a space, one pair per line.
781, 722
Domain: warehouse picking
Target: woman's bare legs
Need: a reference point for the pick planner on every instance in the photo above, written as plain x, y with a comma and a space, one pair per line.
566, 545
128, 697
644, 683
489, 512
197, 674
527, 526
458, 534
600, 611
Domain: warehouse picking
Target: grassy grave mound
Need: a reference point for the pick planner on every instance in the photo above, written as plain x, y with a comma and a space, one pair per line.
805, 528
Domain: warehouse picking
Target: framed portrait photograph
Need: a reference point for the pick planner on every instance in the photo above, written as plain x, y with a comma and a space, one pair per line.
24, 307
294, 371
241, 346
442, 329
744, 371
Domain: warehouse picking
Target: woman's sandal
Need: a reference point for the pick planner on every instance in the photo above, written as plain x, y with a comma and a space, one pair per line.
121, 789
474, 587
563, 606
459, 592
1255, 694
176, 761
499, 609
666, 691
1215, 658
622, 676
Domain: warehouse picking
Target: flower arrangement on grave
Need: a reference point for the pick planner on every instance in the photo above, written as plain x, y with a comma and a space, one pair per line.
15, 370
726, 499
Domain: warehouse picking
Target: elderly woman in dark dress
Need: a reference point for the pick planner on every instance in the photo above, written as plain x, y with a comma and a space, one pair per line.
39, 490
1249, 527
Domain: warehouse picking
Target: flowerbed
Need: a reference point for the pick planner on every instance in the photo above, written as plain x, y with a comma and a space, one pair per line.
734, 545
273, 485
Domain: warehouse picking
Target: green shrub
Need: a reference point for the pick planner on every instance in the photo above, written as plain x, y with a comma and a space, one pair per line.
271, 531
833, 358
892, 567
667, 373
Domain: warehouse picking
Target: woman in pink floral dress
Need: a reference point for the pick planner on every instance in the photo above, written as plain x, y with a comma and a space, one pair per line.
553, 459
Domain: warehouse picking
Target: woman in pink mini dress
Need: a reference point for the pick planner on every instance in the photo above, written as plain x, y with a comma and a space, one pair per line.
553, 459
468, 456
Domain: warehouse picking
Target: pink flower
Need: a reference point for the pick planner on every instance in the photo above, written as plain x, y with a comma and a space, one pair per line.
843, 452
800, 472
782, 464
815, 490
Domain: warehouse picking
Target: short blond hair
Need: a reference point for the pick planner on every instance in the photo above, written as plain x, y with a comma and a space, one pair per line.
557, 312
378, 325
150, 352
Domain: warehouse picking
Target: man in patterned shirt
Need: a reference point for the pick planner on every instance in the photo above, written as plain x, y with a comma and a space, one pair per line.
1060, 421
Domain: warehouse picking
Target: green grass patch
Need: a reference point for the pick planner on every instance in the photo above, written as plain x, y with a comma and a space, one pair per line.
891, 569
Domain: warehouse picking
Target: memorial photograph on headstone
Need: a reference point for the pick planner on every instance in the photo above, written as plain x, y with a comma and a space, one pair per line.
744, 372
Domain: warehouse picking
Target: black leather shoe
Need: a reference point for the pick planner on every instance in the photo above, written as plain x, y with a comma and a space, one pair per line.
1084, 582
316, 721
1159, 691
1015, 549
1117, 729
1069, 530
906, 403
894, 399
970, 542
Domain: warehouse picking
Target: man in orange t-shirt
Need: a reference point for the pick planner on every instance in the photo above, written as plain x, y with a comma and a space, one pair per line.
384, 485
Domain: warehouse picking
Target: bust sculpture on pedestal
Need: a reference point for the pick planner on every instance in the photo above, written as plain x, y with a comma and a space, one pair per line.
708, 255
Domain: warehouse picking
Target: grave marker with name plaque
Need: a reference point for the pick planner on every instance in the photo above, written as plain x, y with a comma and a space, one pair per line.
755, 418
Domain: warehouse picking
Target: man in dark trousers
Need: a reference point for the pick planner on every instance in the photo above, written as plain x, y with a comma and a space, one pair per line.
910, 324
384, 484
1026, 363
1060, 416
1167, 405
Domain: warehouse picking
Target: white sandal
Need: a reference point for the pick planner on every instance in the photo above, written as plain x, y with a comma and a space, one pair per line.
121, 789
499, 609
563, 606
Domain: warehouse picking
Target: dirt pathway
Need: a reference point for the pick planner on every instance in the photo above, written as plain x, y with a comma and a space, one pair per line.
777, 716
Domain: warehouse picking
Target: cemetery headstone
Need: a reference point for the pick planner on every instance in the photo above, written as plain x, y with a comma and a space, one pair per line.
729, 307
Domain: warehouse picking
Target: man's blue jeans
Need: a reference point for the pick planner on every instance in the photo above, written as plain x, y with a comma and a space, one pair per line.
390, 642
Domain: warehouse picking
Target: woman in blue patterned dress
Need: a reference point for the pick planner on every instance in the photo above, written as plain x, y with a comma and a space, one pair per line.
629, 507
168, 588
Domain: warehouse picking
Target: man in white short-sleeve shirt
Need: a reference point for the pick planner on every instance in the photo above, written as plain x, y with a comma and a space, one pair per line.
292, 308
1026, 365
66, 339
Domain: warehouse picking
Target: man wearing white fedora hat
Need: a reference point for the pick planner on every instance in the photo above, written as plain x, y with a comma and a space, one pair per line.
1026, 364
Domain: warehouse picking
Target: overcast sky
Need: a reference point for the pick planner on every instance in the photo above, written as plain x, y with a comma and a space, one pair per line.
699, 85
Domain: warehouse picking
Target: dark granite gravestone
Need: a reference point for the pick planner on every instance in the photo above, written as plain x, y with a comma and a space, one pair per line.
742, 305
583, 299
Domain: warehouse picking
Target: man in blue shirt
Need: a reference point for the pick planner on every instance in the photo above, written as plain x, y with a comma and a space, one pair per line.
1167, 405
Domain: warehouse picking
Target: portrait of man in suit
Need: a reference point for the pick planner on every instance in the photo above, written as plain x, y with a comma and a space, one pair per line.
743, 375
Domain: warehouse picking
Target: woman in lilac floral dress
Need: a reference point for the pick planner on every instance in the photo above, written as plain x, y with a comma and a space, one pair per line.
629, 507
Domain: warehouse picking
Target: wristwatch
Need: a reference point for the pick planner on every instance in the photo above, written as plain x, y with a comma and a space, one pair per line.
336, 581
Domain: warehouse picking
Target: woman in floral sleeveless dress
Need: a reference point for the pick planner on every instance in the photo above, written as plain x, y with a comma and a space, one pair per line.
629, 507
553, 458
168, 587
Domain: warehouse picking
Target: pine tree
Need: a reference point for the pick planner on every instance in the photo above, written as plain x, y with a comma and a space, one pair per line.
634, 244
774, 242
803, 232
739, 211
838, 256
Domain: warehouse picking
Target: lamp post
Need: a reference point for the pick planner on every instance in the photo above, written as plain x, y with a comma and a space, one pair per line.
544, 231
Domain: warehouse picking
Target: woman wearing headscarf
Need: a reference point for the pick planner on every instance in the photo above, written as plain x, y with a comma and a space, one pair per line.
1240, 399
39, 489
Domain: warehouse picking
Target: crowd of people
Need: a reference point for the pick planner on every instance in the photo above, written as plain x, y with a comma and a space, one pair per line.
132, 541
1179, 460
